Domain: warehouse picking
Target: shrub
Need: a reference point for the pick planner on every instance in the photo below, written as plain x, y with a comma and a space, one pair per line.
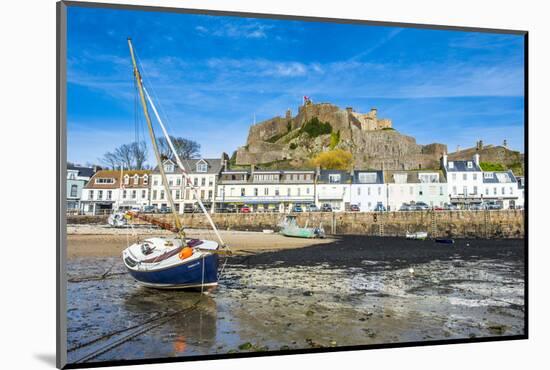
490, 166
334, 139
315, 128
333, 160
293, 146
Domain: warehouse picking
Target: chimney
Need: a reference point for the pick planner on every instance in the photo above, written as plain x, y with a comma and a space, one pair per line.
444, 160
476, 159
225, 164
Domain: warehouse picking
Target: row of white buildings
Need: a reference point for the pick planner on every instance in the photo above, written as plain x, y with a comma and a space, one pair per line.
462, 183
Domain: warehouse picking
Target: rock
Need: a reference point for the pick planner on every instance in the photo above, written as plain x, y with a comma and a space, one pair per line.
308, 293
309, 313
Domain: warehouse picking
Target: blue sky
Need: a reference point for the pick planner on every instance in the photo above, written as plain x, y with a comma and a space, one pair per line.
211, 75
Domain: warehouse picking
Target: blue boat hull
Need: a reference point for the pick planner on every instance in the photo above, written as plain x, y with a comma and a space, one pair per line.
182, 276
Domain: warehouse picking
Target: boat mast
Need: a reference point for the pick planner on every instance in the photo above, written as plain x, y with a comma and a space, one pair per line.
137, 76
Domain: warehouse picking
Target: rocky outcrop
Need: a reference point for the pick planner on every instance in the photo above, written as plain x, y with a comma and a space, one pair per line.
372, 140
509, 159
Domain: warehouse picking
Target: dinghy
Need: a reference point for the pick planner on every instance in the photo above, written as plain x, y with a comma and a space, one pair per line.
419, 235
175, 262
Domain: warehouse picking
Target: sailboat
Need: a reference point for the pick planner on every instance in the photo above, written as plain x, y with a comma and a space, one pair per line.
175, 262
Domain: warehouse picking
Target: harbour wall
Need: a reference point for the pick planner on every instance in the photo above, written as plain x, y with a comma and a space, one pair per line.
456, 224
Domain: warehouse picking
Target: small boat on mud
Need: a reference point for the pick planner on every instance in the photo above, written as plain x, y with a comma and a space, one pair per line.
118, 219
289, 227
175, 262
419, 235
444, 240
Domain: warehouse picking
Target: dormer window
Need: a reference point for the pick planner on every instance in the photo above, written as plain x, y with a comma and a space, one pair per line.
202, 166
126, 179
168, 167
145, 179
136, 179
488, 175
470, 164
451, 164
334, 178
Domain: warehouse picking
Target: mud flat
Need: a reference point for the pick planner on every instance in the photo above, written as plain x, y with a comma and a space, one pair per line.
105, 241
352, 291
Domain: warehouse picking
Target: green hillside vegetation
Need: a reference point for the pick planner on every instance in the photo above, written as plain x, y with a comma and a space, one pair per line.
489, 166
334, 139
315, 128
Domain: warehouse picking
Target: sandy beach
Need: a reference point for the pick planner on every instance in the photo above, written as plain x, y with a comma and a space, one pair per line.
105, 241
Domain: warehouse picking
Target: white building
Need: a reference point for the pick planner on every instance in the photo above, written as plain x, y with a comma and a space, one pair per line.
333, 188
501, 187
409, 187
77, 178
202, 175
110, 190
266, 190
464, 181
521, 192
368, 190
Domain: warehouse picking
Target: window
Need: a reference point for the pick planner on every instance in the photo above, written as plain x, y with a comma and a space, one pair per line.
196, 181
299, 191
242, 192
255, 192
487, 175
266, 191
454, 190
470, 165
104, 181
209, 194
307, 190
143, 194
288, 192
211, 181
511, 190
486, 191
134, 194
465, 191
334, 178
145, 179
358, 190
100, 194
451, 164
136, 179
494, 191
503, 190
441, 190
202, 166
154, 194
126, 179
74, 190
178, 181
155, 181
474, 176
276, 192
367, 178
420, 192
177, 194
203, 181
170, 182
475, 190
124, 194
109, 194
379, 190
464, 176
162, 194
168, 167
202, 194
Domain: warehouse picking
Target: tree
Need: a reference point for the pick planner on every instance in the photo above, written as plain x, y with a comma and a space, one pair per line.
333, 160
185, 148
130, 156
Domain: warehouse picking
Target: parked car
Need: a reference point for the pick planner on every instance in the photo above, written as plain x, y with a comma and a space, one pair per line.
245, 209
406, 207
450, 207
150, 209
297, 208
165, 209
354, 208
326, 208
312, 208
379, 207
420, 206
477, 207
493, 205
